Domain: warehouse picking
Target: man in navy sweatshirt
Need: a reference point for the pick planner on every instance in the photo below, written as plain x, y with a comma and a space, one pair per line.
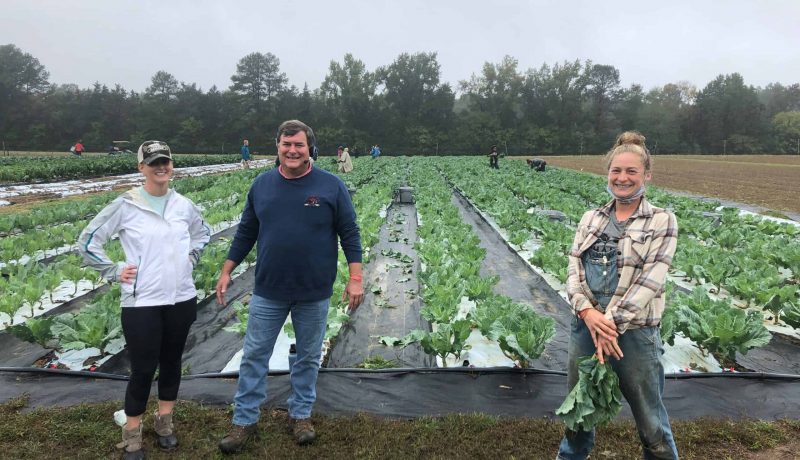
297, 214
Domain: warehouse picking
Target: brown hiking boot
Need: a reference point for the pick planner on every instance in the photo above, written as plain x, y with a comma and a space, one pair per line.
303, 430
131, 443
165, 431
237, 438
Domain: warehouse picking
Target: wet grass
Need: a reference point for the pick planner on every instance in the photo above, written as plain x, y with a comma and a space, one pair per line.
87, 431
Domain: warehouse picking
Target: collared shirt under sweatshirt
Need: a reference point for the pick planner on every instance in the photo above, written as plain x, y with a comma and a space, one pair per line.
645, 254
297, 224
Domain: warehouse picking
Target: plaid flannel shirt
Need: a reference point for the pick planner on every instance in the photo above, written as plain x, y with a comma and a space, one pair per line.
646, 254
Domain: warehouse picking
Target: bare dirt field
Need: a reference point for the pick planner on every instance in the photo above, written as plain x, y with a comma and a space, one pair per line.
770, 181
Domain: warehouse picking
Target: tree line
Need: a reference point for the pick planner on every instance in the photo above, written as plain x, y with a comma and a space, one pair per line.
563, 108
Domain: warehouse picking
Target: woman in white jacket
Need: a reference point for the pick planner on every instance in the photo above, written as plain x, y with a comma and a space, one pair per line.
162, 234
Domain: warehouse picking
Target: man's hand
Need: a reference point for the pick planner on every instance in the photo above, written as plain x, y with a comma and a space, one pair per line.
599, 326
224, 280
355, 292
222, 286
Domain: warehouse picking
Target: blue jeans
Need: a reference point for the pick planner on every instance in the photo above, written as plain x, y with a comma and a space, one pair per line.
641, 379
264, 324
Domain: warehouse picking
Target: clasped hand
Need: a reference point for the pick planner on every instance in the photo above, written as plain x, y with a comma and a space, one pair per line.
604, 335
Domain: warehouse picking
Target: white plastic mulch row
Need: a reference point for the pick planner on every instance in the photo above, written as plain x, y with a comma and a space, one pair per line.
481, 351
78, 187
81, 359
64, 292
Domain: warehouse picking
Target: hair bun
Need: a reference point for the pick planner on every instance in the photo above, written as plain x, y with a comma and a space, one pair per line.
630, 137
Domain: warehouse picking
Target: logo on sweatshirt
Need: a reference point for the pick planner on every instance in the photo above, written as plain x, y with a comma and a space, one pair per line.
312, 201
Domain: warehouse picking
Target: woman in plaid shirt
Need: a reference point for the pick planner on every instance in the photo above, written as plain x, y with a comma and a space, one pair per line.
617, 269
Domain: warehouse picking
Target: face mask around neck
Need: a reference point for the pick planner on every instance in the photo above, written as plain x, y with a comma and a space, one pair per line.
627, 199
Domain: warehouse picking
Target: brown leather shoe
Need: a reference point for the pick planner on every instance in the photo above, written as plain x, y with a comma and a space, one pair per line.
303, 431
237, 438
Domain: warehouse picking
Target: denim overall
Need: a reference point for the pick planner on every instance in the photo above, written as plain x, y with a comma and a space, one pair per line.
600, 266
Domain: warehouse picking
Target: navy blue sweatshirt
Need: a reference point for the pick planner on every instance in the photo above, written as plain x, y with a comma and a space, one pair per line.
296, 223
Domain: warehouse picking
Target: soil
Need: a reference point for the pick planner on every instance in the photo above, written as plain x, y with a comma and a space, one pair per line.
788, 451
769, 181
37, 195
22, 202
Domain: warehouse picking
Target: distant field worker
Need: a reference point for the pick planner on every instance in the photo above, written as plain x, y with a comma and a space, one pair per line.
345, 162
615, 283
537, 164
78, 148
376, 151
163, 235
245, 151
493, 158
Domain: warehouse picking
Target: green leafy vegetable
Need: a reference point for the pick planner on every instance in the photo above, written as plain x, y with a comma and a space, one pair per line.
717, 326
596, 398
242, 314
95, 325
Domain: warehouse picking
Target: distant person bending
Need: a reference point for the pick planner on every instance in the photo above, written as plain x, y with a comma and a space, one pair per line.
162, 234
537, 164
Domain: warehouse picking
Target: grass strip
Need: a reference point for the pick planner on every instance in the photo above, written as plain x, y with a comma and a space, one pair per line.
87, 431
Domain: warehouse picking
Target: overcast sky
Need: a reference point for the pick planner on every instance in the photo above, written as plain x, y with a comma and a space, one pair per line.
199, 41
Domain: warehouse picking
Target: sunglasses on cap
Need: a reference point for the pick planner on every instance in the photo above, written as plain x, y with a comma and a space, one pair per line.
163, 161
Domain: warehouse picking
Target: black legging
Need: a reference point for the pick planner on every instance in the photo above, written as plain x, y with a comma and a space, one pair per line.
156, 337
493, 162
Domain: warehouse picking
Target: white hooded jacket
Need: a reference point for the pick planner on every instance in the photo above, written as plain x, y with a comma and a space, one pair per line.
164, 249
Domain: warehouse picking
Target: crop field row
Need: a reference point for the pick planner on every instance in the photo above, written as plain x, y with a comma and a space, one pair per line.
725, 263
737, 277
21, 170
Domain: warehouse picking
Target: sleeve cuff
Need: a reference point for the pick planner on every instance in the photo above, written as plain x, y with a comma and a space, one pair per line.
115, 275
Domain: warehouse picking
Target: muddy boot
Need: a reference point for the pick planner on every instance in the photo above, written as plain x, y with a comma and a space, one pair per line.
165, 431
131, 443
303, 431
237, 438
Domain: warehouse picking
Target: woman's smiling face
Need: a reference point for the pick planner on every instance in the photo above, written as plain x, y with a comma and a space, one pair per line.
626, 174
158, 172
